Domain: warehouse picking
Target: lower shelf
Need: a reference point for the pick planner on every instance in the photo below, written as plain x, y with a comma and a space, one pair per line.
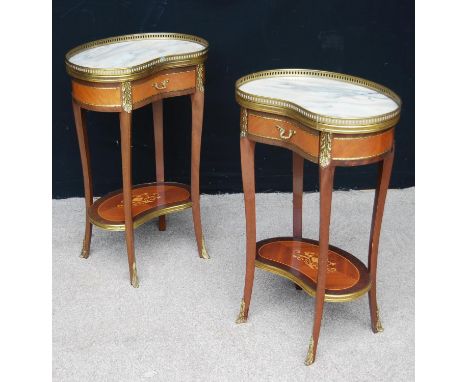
297, 260
149, 200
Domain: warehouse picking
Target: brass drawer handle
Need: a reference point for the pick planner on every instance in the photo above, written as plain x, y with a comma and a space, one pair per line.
162, 85
282, 130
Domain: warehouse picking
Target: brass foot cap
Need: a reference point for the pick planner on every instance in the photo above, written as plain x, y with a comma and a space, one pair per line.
84, 253
378, 325
241, 320
310, 358
378, 328
204, 254
309, 362
135, 282
242, 317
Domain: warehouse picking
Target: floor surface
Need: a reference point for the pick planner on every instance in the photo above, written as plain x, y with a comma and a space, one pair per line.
179, 325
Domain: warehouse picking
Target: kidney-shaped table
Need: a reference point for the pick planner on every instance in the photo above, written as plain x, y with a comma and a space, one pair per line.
121, 74
334, 120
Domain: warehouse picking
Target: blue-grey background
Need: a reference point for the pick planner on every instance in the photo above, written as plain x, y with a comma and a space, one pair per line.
371, 39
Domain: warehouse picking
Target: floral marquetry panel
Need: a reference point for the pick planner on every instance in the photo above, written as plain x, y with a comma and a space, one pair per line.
148, 201
347, 277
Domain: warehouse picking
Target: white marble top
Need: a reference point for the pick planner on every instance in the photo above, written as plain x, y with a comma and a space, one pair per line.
131, 53
323, 96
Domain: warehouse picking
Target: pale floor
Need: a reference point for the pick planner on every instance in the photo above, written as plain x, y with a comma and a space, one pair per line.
179, 325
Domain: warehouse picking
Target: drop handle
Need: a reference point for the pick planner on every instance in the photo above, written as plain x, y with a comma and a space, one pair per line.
161, 85
282, 132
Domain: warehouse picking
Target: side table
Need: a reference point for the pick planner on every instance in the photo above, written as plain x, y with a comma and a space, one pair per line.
334, 120
121, 74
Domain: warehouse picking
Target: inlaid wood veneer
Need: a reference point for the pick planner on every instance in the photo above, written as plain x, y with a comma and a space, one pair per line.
164, 82
345, 147
305, 141
297, 259
104, 95
266, 127
331, 119
148, 201
121, 74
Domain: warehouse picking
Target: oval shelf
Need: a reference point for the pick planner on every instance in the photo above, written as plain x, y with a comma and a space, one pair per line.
297, 260
149, 200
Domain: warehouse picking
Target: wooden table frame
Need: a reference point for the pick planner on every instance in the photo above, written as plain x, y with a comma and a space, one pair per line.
329, 151
124, 97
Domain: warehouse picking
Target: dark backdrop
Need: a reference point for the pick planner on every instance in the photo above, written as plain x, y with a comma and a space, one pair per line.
371, 39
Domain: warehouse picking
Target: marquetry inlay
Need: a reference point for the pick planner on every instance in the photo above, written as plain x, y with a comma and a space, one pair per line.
142, 199
311, 260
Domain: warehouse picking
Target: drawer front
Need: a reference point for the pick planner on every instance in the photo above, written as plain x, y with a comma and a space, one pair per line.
291, 135
163, 83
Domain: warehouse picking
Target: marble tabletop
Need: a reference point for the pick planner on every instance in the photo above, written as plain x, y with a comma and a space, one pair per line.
329, 97
127, 54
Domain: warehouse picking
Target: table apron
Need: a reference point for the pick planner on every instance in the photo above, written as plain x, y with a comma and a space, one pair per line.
346, 149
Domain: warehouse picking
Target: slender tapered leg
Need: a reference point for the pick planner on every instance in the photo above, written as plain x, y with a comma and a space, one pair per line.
298, 182
248, 183
198, 100
159, 150
82, 133
385, 170
326, 188
298, 186
126, 139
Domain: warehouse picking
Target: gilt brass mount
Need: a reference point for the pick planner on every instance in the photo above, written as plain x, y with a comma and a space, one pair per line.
241, 318
282, 131
135, 282
378, 323
161, 85
310, 358
126, 95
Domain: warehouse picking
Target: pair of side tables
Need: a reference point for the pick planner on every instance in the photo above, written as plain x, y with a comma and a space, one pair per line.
328, 118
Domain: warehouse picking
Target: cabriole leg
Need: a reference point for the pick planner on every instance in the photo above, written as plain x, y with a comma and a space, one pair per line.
126, 139
385, 170
82, 134
248, 181
326, 188
197, 124
159, 150
298, 182
298, 186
